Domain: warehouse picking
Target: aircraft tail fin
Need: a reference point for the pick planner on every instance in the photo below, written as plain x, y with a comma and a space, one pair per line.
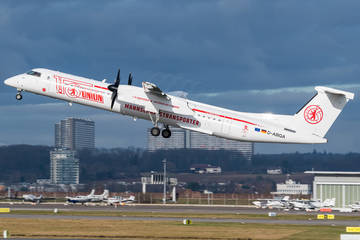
317, 116
92, 193
286, 198
106, 193
329, 202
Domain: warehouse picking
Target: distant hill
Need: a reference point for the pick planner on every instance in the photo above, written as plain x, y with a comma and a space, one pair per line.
21, 163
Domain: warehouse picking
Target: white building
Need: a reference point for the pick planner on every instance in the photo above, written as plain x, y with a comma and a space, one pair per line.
64, 167
181, 138
290, 187
176, 141
75, 134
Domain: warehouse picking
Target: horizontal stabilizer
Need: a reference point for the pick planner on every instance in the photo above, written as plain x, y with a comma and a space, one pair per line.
348, 95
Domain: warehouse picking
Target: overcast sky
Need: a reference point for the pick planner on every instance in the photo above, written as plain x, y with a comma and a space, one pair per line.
256, 56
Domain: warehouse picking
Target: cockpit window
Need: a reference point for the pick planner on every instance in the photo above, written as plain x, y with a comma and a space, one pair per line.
33, 73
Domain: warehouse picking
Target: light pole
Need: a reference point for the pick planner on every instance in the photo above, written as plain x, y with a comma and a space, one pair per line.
164, 197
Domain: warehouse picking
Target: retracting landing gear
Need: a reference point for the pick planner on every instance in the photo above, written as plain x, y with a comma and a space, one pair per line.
18, 96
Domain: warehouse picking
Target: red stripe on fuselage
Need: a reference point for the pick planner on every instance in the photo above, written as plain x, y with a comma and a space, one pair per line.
218, 115
101, 87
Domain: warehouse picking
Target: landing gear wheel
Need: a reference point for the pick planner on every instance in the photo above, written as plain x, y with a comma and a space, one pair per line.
155, 131
18, 96
166, 133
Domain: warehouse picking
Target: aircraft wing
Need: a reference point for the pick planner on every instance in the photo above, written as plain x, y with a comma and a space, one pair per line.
153, 89
182, 125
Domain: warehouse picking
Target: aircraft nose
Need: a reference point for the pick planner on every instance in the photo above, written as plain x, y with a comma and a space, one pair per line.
9, 81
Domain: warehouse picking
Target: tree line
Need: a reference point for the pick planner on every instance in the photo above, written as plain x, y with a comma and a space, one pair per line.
26, 163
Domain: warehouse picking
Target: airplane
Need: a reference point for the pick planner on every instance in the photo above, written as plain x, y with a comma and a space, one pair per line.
309, 125
300, 204
81, 199
120, 201
272, 203
312, 204
100, 198
330, 202
355, 207
32, 198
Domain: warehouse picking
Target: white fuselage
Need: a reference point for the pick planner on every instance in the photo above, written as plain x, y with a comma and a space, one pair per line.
170, 110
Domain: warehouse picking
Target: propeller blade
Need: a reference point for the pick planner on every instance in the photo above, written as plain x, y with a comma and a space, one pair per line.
114, 89
130, 79
117, 82
113, 98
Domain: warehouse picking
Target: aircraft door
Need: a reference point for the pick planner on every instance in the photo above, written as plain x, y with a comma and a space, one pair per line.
226, 126
197, 114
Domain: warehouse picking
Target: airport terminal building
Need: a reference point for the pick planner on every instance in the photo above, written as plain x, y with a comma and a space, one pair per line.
344, 186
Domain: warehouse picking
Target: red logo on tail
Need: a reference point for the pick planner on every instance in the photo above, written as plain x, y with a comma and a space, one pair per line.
313, 114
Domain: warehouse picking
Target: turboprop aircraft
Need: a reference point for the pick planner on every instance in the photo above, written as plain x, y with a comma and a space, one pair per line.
309, 125
81, 199
120, 200
272, 203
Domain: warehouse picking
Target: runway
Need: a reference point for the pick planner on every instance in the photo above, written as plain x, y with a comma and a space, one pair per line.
212, 220
190, 209
160, 208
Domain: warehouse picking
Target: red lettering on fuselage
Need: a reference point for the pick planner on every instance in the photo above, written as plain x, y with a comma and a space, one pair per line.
162, 114
77, 89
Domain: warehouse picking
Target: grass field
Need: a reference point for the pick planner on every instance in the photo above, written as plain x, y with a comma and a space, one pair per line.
120, 229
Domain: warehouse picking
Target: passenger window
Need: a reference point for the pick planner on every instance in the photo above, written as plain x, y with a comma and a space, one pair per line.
33, 73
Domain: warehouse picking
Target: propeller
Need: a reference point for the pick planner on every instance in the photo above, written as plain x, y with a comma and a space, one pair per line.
130, 79
114, 88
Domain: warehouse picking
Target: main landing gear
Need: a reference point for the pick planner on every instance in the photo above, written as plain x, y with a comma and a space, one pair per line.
166, 133
18, 96
155, 131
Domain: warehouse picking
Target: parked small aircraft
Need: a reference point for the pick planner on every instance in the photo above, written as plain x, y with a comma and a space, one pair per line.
327, 203
295, 204
120, 200
272, 203
32, 198
309, 125
355, 207
311, 204
81, 199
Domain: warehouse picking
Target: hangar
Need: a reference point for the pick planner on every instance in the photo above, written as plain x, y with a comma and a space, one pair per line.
344, 186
